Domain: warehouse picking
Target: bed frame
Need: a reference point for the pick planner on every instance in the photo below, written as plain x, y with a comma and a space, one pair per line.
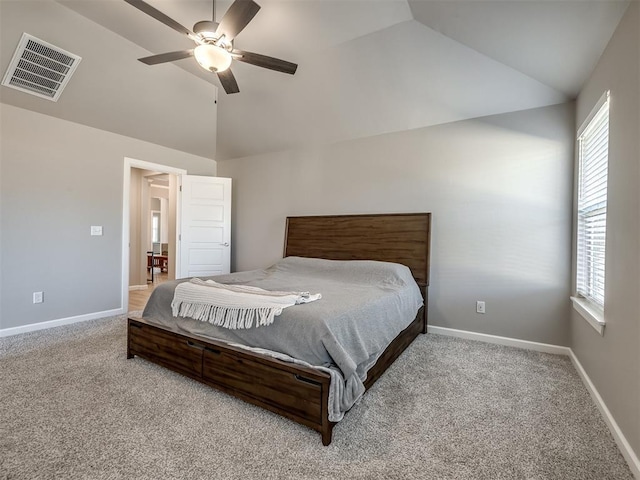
296, 392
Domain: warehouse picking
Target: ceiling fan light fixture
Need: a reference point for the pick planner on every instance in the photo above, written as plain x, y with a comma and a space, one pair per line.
212, 58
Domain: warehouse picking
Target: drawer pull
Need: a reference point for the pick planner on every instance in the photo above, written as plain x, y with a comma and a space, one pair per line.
212, 350
306, 380
194, 345
136, 325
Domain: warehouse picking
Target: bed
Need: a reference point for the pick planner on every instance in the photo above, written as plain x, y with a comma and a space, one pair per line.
301, 389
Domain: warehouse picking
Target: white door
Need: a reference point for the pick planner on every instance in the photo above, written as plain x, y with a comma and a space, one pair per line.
205, 226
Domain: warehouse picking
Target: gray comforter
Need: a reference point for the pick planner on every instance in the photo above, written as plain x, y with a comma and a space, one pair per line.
364, 306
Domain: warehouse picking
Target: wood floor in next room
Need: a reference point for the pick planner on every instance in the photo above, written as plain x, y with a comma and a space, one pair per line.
138, 298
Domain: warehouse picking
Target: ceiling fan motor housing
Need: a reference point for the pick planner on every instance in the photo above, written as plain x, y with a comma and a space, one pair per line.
206, 29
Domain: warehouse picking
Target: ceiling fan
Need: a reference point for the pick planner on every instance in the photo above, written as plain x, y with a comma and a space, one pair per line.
214, 42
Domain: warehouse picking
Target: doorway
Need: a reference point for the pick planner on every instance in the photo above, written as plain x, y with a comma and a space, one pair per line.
149, 183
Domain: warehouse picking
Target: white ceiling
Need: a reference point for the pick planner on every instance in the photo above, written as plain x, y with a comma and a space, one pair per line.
366, 67
555, 42
110, 90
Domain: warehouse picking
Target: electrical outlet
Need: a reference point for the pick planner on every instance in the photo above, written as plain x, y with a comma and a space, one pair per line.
38, 297
96, 230
480, 307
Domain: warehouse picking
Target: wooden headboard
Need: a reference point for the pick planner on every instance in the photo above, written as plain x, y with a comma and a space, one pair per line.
403, 238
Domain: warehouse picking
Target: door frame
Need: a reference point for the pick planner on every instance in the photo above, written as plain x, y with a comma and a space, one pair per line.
130, 163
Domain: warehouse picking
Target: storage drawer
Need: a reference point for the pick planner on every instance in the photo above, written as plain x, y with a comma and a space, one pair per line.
169, 350
299, 395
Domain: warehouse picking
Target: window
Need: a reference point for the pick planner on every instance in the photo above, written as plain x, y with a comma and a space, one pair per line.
155, 227
593, 157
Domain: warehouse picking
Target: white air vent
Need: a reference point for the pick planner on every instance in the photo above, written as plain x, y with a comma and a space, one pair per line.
40, 68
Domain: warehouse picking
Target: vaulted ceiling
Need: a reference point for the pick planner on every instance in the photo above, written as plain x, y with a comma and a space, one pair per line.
366, 67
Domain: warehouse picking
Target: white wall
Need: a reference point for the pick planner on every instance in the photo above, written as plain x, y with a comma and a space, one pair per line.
612, 361
500, 191
59, 178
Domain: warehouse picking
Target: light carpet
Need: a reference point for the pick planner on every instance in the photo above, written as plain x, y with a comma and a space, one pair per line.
74, 407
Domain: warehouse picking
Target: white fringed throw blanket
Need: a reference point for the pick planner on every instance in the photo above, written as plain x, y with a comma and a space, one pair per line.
233, 306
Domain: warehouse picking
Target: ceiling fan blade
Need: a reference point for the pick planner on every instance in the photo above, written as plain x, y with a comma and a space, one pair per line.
237, 17
228, 81
161, 17
265, 62
167, 57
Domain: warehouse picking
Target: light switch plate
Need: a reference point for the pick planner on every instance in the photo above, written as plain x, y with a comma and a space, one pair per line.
96, 230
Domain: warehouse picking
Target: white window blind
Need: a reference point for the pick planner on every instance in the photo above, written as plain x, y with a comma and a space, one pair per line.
593, 159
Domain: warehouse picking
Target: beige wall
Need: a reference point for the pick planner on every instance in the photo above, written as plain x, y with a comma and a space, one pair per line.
59, 178
612, 361
500, 191
135, 229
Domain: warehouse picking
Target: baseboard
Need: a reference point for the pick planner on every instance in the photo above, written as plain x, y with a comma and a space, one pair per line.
510, 342
621, 441
627, 452
7, 332
138, 287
